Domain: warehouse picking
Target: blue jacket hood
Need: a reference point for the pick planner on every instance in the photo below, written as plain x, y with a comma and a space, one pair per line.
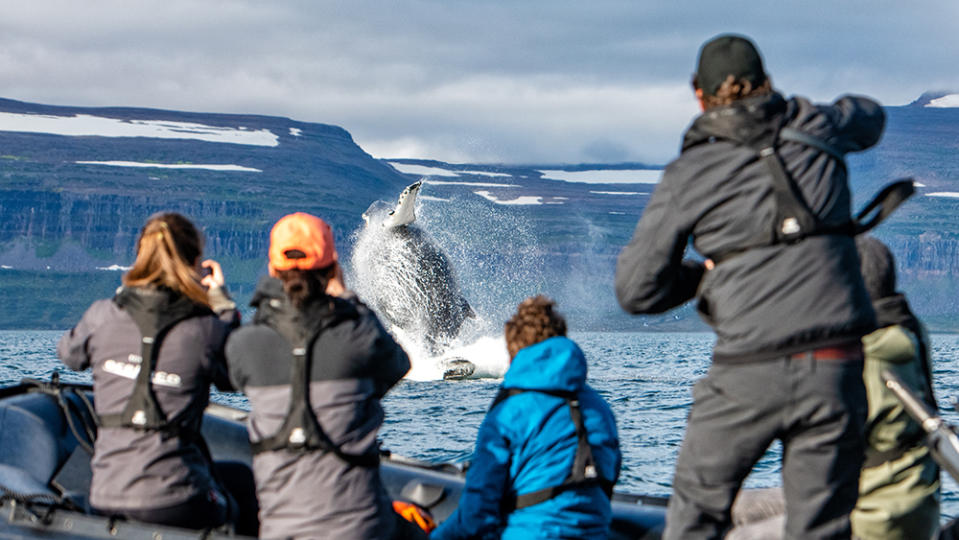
555, 364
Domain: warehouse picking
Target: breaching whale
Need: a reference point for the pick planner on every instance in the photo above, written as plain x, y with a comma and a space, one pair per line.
409, 280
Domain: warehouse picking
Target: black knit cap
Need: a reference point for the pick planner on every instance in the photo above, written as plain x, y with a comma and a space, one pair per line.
726, 55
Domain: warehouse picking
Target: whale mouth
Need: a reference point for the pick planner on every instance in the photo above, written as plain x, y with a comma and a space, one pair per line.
405, 211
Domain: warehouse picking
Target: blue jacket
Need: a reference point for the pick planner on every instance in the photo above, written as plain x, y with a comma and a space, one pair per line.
527, 443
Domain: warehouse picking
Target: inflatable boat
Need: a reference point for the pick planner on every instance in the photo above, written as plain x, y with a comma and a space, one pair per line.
46, 433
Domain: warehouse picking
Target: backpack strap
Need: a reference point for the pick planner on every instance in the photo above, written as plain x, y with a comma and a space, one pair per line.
300, 431
142, 410
584, 471
794, 219
883, 204
801, 137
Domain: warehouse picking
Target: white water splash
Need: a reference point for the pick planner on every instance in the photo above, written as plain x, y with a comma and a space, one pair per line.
385, 276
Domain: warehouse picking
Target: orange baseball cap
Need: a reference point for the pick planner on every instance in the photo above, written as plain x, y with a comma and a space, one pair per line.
301, 241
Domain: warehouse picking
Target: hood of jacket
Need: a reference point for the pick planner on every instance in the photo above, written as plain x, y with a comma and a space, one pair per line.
554, 364
297, 325
155, 308
751, 122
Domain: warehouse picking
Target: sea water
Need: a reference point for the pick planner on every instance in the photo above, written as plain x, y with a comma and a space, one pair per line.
646, 378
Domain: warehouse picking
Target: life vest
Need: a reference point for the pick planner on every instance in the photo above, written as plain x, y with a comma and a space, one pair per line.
794, 219
584, 472
154, 322
300, 431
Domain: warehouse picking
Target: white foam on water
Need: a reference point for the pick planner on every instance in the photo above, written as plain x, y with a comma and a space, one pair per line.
384, 275
89, 125
948, 194
114, 268
487, 353
618, 192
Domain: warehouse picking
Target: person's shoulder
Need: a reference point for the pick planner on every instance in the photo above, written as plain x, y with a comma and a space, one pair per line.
893, 343
592, 397
251, 332
250, 340
101, 310
352, 313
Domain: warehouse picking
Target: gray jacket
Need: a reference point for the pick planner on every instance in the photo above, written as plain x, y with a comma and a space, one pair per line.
317, 494
134, 469
770, 300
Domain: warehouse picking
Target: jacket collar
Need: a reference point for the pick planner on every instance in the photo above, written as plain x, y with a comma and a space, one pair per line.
751, 122
297, 325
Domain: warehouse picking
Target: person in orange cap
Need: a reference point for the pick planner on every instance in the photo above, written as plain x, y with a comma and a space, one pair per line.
315, 364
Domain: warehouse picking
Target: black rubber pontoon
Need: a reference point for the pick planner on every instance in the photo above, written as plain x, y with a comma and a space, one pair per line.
46, 430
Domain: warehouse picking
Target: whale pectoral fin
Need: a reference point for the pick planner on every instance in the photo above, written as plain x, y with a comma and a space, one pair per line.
458, 369
403, 213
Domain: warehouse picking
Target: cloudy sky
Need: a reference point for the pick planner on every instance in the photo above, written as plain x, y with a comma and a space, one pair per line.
507, 81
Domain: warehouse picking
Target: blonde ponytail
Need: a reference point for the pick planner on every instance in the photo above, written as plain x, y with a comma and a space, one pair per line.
167, 251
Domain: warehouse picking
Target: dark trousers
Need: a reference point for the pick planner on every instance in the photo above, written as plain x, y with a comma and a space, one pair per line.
235, 503
817, 408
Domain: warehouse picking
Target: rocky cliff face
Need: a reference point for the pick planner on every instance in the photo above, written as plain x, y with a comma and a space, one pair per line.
94, 191
71, 207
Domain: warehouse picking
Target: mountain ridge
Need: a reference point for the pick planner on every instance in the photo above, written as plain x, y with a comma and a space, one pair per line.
66, 213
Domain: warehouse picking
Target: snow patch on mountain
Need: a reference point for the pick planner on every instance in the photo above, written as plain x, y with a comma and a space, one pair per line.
100, 126
607, 176
944, 102
421, 170
475, 184
523, 200
209, 167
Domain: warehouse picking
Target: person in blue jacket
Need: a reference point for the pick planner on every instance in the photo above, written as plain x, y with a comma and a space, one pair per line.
547, 454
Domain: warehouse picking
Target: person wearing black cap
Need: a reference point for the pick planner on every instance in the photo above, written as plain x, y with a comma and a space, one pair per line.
760, 187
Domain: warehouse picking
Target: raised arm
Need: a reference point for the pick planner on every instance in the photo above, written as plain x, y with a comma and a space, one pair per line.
651, 275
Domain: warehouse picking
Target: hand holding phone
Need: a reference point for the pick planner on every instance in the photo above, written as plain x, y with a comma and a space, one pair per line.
211, 274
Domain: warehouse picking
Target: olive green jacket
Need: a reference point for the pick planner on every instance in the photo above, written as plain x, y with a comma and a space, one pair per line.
898, 497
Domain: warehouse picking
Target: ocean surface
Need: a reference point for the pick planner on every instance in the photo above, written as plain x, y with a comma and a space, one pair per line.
646, 377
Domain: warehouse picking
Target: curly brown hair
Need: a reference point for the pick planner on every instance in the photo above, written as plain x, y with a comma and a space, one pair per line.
535, 320
732, 90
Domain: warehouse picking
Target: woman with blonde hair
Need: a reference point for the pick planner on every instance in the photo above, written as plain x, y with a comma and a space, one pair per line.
155, 348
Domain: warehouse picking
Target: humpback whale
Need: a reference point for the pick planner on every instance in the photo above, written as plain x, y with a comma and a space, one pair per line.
408, 280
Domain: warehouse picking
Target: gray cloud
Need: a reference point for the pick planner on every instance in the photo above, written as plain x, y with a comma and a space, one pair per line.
529, 81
